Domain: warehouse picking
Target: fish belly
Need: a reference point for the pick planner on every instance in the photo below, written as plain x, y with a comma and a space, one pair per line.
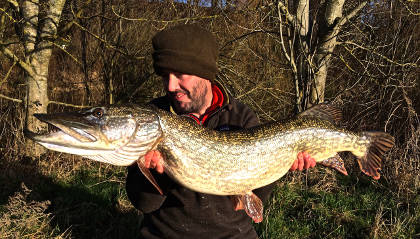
233, 172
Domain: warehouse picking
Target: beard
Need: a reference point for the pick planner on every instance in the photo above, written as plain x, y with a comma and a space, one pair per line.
196, 95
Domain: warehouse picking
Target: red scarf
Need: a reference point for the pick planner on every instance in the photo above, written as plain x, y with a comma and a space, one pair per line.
216, 103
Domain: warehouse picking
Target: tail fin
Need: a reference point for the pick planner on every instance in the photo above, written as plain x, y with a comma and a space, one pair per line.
380, 143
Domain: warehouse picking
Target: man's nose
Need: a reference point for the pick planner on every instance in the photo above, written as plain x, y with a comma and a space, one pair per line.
173, 82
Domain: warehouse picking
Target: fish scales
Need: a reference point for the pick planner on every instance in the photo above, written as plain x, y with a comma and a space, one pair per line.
203, 159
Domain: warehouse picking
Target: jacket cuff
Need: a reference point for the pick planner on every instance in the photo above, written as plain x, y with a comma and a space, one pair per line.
141, 193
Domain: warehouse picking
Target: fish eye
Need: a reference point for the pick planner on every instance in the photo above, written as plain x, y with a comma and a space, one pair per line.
98, 112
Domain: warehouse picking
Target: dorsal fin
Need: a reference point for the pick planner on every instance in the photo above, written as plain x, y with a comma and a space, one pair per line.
324, 111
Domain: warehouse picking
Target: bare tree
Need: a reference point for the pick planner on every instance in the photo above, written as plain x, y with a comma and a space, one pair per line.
38, 24
308, 51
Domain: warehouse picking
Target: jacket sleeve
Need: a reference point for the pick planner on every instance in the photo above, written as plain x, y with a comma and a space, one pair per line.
142, 194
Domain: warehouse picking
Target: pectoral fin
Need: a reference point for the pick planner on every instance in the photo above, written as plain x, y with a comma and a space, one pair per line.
252, 205
336, 163
146, 172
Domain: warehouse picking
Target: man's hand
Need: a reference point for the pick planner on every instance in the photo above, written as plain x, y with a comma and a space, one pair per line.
303, 161
154, 159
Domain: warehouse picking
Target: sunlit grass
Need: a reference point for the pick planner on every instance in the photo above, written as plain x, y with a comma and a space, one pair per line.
90, 202
354, 209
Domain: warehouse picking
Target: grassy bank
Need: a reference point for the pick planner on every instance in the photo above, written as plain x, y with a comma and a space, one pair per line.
75, 198
355, 207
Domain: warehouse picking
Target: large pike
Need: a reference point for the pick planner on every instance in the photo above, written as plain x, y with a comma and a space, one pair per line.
208, 161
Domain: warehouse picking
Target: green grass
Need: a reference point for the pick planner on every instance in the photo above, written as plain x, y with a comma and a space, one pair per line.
356, 208
88, 200
94, 206
88, 203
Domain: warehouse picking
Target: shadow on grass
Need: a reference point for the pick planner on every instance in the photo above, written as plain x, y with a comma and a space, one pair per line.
86, 205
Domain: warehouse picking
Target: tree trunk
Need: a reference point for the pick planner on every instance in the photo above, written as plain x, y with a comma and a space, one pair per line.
38, 47
327, 40
302, 53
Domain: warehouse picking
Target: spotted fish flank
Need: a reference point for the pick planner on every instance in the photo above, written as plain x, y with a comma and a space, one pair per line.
208, 161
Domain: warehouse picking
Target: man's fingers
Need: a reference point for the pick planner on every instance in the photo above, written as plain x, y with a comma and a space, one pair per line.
294, 166
313, 163
158, 162
159, 168
153, 159
148, 158
301, 161
307, 161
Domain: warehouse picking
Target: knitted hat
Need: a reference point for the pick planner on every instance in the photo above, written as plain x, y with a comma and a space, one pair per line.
187, 49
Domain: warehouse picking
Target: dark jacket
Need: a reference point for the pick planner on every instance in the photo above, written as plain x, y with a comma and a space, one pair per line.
182, 213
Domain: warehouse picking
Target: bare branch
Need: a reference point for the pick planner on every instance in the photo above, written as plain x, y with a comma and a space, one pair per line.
292, 20
164, 21
7, 14
49, 102
70, 105
12, 99
25, 66
68, 53
351, 14
107, 44
380, 55
14, 3
7, 74
409, 9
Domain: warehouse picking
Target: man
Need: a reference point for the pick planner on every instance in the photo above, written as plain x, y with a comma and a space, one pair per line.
185, 56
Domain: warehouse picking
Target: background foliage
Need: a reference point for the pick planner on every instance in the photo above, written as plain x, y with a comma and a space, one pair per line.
102, 54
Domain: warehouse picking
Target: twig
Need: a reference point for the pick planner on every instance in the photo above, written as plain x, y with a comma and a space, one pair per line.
68, 53
281, 37
7, 14
378, 54
7, 74
164, 21
351, 14
70, 105
49, 102
12, 99
107, 44
14, 3
411, 12
293, 21
16, 59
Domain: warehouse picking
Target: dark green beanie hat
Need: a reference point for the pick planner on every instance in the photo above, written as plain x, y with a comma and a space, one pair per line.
187, 49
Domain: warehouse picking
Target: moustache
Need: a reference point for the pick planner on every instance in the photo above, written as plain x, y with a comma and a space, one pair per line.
174, 93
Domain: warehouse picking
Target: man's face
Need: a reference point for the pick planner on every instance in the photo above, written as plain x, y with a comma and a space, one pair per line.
187, 92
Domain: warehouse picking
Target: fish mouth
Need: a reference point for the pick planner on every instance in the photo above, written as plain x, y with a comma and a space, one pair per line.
62, 125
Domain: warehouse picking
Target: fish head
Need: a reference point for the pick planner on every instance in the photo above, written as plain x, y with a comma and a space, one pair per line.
91, 131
